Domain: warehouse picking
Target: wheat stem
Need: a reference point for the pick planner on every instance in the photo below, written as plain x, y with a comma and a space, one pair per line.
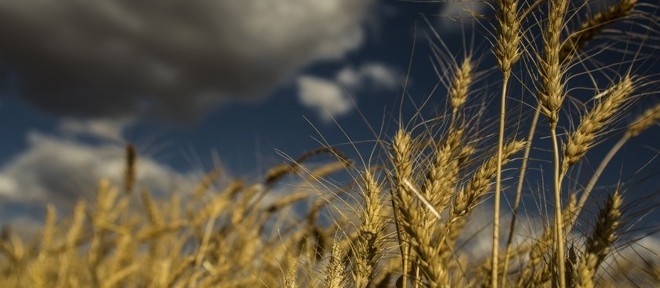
507, 53
519, 188
498, 187
559, 237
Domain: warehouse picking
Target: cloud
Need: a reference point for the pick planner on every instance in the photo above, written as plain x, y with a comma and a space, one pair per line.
454, 13
329, 98
370, 75
118, 58
104, 129
61, 171
326, 97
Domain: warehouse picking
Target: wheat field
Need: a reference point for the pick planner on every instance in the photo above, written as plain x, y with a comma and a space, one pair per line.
408, 214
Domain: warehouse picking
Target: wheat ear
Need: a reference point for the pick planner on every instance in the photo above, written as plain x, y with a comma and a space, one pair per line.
582, 139
411, 218
643, 122
443, 174
335, 269
458, 91
130, 169
369, 239
588, 30
402, 162
592, 26
72, 238
475, 190
598, 244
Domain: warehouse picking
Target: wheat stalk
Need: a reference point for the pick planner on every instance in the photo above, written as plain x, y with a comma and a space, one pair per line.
507, 53
551, 98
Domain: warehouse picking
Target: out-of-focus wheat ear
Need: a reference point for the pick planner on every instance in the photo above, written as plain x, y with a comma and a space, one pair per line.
571, 261
326, 170
153, 215
278, 172
599, 243
594, 25
105, 201
458, 91
48, 232
116, 278
334, 272
70, 244
644, 121
507, 48
130, 171
582, 139
11, 246
163, 273
369, 239
39, 275
534, 273
206, 182
291, 278
178, 272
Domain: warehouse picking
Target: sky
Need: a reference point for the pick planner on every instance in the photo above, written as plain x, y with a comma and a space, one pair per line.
249, 81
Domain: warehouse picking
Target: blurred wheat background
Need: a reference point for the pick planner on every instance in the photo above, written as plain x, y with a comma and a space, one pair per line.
520, 167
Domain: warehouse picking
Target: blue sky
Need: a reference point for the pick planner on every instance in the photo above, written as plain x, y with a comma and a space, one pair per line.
246, 80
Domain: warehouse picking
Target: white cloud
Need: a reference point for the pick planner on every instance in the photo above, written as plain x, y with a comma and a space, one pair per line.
454, 13
326, 97
61, 171
329, 97
105, 129
371, 75
117, 58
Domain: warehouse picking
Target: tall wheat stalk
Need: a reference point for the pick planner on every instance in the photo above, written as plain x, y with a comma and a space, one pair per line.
551, 99
507, 53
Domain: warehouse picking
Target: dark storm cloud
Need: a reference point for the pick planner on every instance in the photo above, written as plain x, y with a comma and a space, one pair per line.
176, 58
